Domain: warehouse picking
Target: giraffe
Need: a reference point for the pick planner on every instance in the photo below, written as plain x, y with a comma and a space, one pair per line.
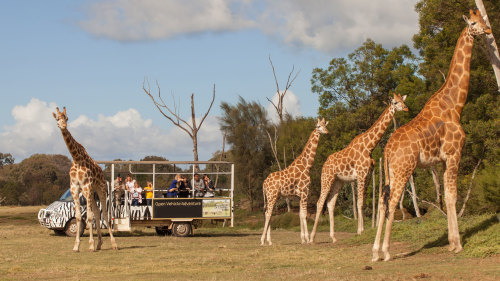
353, 163
294, 180
88, 178
433, 136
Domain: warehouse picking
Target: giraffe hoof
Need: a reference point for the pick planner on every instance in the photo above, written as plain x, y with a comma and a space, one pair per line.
458, 249
387, 257
76, 250
451, 248
115, 247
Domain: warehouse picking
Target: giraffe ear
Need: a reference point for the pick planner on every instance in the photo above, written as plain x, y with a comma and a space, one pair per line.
55, 116
404, 97
466, 19
326, 123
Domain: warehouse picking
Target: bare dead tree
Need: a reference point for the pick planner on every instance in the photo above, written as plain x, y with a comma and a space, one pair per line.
492, 45
279, 110
430, 203
281, 94
435, 179
470, 188
173, 115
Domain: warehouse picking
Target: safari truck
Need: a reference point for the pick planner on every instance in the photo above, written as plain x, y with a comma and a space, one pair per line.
177, 216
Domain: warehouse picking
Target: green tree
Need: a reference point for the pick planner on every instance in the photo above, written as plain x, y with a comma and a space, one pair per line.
246, 124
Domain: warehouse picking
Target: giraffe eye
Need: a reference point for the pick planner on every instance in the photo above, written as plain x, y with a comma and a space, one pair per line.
474, 23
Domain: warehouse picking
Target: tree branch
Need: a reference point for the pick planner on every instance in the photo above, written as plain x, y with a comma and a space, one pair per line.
209, 108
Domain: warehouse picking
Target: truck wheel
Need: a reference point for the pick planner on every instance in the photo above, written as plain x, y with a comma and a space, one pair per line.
71, 227
181, 229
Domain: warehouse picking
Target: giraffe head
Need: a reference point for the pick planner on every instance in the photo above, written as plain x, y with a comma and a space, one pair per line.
398, 102
61, 117
321, 126
476, 23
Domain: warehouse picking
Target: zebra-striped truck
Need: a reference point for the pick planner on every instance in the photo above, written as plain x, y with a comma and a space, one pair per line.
178, 216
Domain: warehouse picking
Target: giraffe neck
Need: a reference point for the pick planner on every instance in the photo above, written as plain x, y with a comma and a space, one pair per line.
454, 91
76, 150
306, 158
372, 136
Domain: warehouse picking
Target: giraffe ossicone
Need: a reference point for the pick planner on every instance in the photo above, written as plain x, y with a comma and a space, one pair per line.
86, 177
294, 180
434, 136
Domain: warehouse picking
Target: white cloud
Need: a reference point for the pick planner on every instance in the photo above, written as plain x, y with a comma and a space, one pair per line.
291, 105
129, 20
322, 24
125, 135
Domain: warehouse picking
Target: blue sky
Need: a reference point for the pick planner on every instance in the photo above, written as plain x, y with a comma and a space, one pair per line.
92, 57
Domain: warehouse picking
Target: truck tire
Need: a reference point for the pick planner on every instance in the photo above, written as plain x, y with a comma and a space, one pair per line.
181, 229
71, 227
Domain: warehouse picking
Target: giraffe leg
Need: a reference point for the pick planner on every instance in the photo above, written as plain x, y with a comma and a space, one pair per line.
269, 211
326, 184
304, 233
450, 188
90, 220
102, 198
381, 219
361, 200
75, 193
97, 214
396, 190
331, 208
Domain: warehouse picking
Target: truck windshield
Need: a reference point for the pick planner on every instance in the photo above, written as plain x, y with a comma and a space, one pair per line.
66, 197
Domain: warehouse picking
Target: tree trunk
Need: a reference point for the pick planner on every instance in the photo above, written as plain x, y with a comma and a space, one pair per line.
373, 197
355, 213
195, 151
220, 159
470, 187
414, 197
492, 45
401, 205
435, 178
288, 206
379, 186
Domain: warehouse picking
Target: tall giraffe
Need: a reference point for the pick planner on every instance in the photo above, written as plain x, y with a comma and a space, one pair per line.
88, 178
294, 180
353, 163
433, 136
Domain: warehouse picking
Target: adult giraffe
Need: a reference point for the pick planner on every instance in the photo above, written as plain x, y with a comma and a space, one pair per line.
353, 163
293, 181
433, 136
88, 178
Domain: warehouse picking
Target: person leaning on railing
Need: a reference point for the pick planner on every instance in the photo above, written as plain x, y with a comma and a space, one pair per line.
185, 188
174, 187
198, 185
149, 193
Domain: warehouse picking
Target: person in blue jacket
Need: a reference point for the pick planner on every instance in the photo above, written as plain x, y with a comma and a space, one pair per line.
174, 187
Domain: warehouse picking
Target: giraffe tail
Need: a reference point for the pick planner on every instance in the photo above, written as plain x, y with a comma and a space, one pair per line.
387, 188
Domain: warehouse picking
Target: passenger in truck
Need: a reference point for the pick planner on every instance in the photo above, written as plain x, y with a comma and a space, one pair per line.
174, 187
185, 188
209, 184
136, 194
198, 185
149, 193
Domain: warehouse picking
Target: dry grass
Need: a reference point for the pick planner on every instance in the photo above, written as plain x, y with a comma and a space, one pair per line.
29, 251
